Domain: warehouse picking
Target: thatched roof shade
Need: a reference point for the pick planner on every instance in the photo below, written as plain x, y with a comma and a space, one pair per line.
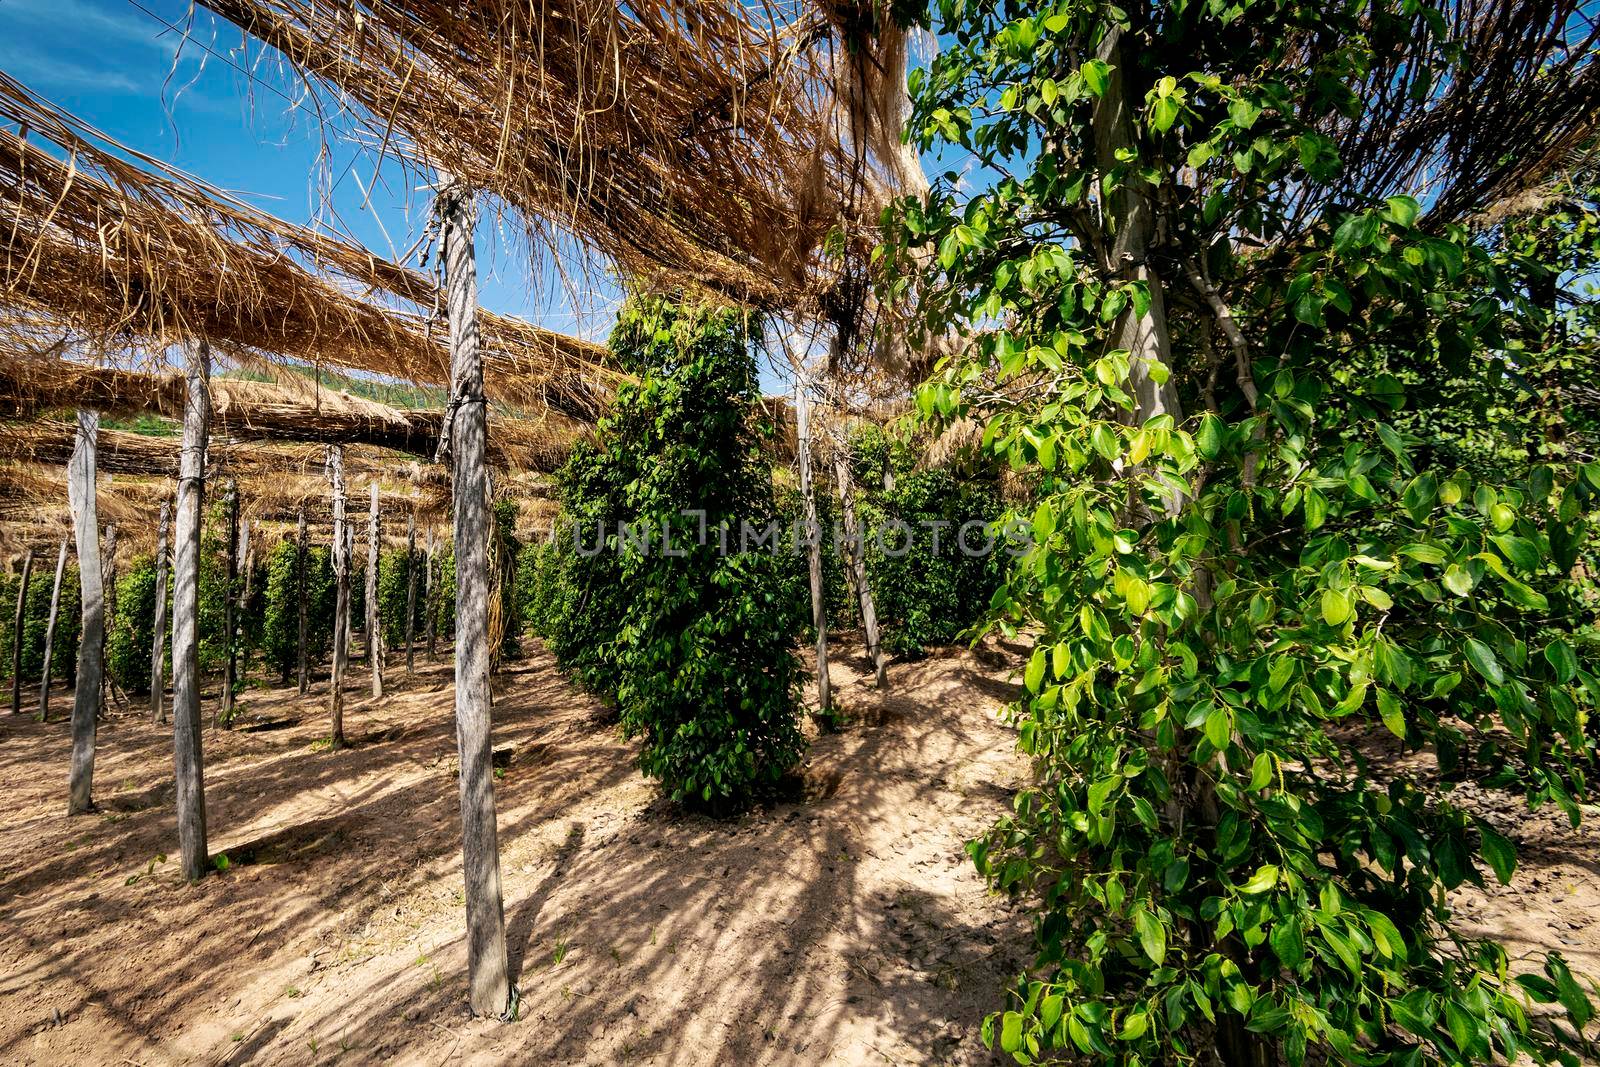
707, 145
141, 256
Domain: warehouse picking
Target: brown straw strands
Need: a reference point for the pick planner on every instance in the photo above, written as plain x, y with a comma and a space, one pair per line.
699, 145
144, 256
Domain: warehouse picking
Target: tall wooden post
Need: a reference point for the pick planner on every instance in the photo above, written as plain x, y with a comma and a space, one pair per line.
159, 639
50, 634
341, 596
230, 668
487, 968
855, 559
411, 589
302, 588
91, 584
92, 587
374, 629
16, 633
188, 761
108, 564
247, 562
429, 608
808, 495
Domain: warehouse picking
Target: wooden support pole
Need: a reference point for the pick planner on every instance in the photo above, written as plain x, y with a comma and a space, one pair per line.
429, 607
188, 760
411, 590
89, 687
487, 968
230, 607
50, 634
855, 560
341, 596
16, 633
247, 561
303, 589
158, 641
808, 494
374, 628
108, 564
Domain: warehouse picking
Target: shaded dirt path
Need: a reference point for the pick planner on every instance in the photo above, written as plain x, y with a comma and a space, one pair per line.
845, 926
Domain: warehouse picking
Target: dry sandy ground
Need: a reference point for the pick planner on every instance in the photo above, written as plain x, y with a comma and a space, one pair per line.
843, 927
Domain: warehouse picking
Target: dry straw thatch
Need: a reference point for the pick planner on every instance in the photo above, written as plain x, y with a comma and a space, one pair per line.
702, 145
138, 255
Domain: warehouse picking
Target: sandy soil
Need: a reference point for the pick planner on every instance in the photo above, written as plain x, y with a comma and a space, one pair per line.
843, 927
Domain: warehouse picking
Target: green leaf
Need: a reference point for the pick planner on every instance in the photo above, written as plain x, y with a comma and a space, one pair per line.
1260, 772
1519, 550
1500, 853
1484, 662
1265, 878
1097, 76
1337, 606
1563, 661
1211, 436
1316, 506
1219, 728
1134, 1026
1288, 942
1458, 579
1393, 717
1010, 1032
1152, 936
1035, 672
1163, 113
1403, 210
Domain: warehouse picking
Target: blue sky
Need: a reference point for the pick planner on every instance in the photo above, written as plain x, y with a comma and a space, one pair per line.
120, 65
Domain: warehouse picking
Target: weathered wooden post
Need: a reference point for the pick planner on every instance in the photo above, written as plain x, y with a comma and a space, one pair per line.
467, 439
808, 495
16, 633
429, 607
247, 560
230, 572
341, 597
411, 588
302, 587
159, 639
374, 629
91, 584
108, 564
50, 634
855, 559
188, 761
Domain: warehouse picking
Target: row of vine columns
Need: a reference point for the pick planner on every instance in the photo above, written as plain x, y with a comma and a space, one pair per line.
159, 640
50, 633
428, 606
16, 632
487, 967
188, 764
855, 559
91, 643
411, 589
341, 598
109, 566
808, 494
374, 634
230, 668
301, 552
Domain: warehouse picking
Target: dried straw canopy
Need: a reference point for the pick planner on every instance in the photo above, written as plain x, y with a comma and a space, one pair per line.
118, 255
707, 145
